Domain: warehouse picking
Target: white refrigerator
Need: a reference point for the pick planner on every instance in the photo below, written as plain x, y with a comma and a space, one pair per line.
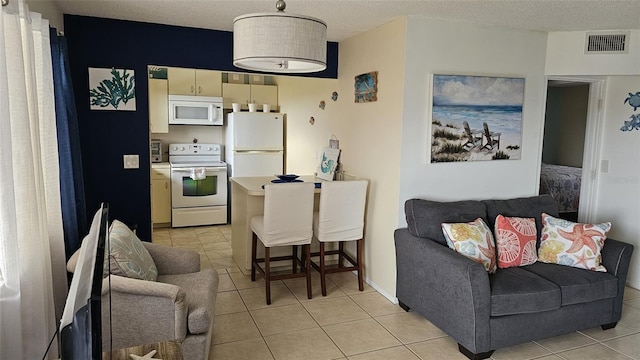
254, 144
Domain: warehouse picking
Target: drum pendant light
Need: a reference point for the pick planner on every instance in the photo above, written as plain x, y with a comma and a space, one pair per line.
279, 42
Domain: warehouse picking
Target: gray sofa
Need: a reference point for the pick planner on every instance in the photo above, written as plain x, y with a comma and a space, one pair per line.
484, 312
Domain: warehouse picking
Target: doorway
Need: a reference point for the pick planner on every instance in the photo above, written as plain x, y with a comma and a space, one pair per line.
570, 151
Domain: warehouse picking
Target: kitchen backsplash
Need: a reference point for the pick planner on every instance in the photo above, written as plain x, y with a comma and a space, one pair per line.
187, 134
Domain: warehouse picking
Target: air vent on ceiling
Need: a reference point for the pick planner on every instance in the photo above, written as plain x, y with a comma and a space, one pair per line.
607, 43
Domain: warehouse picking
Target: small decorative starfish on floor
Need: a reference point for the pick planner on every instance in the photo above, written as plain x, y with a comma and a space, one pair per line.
144, 357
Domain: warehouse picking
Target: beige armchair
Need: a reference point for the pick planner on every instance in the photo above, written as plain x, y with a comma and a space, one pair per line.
179, 306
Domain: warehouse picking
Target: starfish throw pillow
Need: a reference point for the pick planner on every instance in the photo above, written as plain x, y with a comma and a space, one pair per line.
572, 244
473, 240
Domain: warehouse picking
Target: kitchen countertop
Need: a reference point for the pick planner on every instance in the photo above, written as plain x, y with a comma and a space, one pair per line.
161, 165
253, 185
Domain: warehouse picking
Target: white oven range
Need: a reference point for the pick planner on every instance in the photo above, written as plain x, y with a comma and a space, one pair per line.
198, 185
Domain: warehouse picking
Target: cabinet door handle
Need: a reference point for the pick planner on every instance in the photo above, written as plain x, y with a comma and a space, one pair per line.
166, 184
199, 89
193, 89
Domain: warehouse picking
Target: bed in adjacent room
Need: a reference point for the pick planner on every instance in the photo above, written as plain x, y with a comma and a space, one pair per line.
563, 183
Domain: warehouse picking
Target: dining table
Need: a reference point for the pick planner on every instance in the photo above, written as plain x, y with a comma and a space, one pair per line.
247, 201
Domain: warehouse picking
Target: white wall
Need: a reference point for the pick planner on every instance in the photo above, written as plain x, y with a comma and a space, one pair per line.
442, 47
565, 55
618, 196
369, 134
49, 11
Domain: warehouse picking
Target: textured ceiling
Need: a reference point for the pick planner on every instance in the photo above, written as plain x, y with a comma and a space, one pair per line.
346, 18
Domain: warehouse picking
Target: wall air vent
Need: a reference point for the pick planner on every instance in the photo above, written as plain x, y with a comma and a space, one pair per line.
607, 43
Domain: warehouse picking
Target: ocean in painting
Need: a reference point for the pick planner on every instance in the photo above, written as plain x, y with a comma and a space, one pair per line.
506, 120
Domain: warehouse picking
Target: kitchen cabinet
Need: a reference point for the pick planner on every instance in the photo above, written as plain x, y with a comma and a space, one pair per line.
158, 106
265, 94
194, 82
160, 193
246, 93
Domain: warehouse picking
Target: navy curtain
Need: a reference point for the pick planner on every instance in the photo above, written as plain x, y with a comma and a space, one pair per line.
74, 216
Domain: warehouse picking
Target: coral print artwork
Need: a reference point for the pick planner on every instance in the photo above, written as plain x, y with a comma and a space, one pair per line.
112, 89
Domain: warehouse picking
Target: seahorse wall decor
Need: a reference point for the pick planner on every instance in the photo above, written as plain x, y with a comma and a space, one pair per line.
634, 120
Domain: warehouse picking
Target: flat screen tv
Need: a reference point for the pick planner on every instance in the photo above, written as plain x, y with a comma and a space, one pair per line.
81, 324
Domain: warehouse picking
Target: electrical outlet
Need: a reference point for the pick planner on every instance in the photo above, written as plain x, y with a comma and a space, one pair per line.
131, 161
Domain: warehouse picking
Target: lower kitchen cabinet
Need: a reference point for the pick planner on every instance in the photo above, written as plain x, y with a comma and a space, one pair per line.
160, 194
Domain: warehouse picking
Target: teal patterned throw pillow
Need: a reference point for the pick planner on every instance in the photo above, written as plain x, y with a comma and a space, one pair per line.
128, 257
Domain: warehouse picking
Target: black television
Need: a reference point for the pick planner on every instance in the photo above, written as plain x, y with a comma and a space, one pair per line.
81, 324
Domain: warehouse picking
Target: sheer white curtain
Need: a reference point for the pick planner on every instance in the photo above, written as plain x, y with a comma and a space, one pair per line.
32, 274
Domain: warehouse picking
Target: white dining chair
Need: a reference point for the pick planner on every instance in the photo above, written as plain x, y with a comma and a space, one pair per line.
340, 219
287, 221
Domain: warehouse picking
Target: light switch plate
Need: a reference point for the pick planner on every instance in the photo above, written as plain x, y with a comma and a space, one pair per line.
604, 166
131, 161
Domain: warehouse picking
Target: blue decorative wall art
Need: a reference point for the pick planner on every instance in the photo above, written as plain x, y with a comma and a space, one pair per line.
112, 89
634, 120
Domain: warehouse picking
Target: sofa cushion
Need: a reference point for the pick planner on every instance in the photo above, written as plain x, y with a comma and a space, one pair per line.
515, 241
518, 291
577, 285
201, 289
425, 216
127, 256
572, 244
473, 240
529, 207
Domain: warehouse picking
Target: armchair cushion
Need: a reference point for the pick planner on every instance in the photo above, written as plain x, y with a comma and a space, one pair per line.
127, 256
199, 288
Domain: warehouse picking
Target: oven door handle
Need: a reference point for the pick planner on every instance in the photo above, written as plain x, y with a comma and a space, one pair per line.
206, 169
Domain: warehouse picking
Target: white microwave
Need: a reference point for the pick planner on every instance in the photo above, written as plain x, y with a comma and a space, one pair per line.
195, 110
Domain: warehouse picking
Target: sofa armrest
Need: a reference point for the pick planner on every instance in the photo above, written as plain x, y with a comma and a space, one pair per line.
447, 288
616, 257
170, 260
142, 312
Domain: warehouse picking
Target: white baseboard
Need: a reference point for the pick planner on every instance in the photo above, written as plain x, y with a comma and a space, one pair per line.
393, 299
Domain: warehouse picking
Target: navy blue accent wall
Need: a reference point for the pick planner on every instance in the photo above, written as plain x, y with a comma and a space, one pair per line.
106, 136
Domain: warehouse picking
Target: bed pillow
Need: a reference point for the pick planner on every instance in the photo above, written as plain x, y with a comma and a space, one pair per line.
572, 244
127, 256
473, 240
516, 241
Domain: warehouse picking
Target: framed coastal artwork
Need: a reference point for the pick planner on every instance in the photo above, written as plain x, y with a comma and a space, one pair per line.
112, 89
366, 87
328, 163
476, 118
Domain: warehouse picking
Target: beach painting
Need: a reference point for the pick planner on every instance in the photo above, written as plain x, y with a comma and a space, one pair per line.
476, 118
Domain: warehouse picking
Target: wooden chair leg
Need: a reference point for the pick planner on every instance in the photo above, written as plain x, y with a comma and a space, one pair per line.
254, 244
359, 260
323, 274
307, 263
294, 253
340, 252
267, 276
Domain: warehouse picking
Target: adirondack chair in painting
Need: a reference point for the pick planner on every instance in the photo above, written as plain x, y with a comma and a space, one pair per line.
474, 138
492, 138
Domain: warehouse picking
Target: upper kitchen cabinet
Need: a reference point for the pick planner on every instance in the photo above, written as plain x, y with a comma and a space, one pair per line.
247, 93
158, 106
236, 93
265, 94
195, 82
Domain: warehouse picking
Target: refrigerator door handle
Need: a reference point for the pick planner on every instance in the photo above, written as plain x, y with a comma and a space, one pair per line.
257, 151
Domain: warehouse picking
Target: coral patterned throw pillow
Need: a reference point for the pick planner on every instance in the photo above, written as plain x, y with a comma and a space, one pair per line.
516, 241
573, 244
473, 240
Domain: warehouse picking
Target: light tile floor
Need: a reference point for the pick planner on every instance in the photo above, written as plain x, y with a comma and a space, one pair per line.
354, 325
